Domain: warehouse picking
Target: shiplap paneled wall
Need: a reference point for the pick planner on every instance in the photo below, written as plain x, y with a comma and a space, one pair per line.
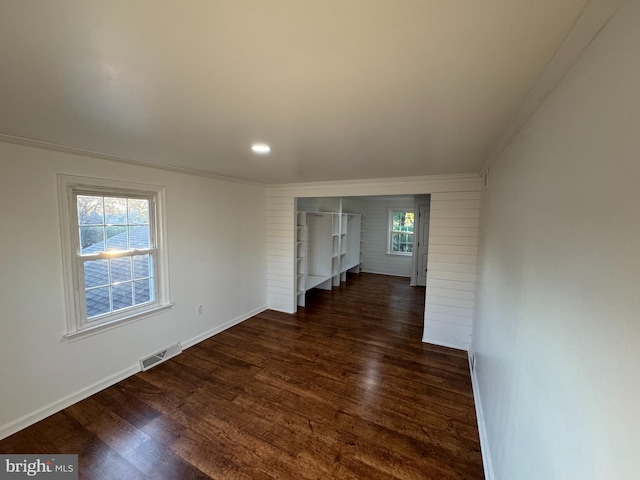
455, 210
281, 240
375, 214
451, 268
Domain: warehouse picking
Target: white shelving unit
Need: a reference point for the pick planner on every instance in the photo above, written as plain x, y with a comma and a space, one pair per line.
353, 247
301, 259
325, 250
313, 256
335, 250
343, 246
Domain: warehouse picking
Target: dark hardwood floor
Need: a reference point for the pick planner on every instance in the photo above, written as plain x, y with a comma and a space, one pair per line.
344, 389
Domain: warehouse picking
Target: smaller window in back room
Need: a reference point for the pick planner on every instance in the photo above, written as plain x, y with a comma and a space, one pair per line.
400, 239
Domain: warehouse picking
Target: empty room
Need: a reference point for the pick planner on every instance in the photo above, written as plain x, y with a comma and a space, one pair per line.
360, 239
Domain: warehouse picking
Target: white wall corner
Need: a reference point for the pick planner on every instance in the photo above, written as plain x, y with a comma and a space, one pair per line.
57, 406
595, 15
54, 407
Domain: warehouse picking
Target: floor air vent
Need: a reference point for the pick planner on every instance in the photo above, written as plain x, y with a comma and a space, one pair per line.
156, 358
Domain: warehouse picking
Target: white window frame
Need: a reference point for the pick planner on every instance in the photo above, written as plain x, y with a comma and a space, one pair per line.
390, 232
73, 263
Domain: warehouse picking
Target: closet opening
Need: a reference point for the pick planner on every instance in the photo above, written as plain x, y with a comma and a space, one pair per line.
337, 237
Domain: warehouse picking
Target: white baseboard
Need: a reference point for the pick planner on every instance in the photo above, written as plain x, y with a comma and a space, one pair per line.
482, 429
214, 331
384, 273
54, 407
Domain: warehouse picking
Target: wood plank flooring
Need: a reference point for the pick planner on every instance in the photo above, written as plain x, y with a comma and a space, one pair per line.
344, 389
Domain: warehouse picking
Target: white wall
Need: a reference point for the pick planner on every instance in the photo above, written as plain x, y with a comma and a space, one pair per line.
557, 332
375, 211
455, 203
216, 255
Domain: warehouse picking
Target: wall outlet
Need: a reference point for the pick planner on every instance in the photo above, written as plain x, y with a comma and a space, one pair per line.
199, 310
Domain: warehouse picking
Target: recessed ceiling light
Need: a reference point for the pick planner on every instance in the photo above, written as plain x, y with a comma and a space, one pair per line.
261, 148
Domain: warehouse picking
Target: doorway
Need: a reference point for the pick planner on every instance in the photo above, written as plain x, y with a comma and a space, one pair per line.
376, 239
421, 240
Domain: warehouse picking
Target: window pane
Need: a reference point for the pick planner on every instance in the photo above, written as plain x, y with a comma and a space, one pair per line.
122, 295
115, 211
138, 211
96, 272
97, 301
91, 240
139, 237
90, 210
116, 237
395, 241
397, 221
409, 221
120, 269
142, 266
403, 221
143, 291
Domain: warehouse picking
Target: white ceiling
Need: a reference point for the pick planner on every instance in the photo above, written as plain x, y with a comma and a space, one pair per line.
341, 89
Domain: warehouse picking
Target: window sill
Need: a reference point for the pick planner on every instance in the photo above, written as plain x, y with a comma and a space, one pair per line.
409, 254
103, 327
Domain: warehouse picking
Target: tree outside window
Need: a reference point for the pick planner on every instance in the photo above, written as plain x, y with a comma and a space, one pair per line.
400, 232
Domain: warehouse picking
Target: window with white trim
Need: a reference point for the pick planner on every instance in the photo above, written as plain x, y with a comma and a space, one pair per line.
114, 262
400, 237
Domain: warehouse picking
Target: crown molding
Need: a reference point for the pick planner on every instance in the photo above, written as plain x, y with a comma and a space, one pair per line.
587, 26
28, 142
419, 179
